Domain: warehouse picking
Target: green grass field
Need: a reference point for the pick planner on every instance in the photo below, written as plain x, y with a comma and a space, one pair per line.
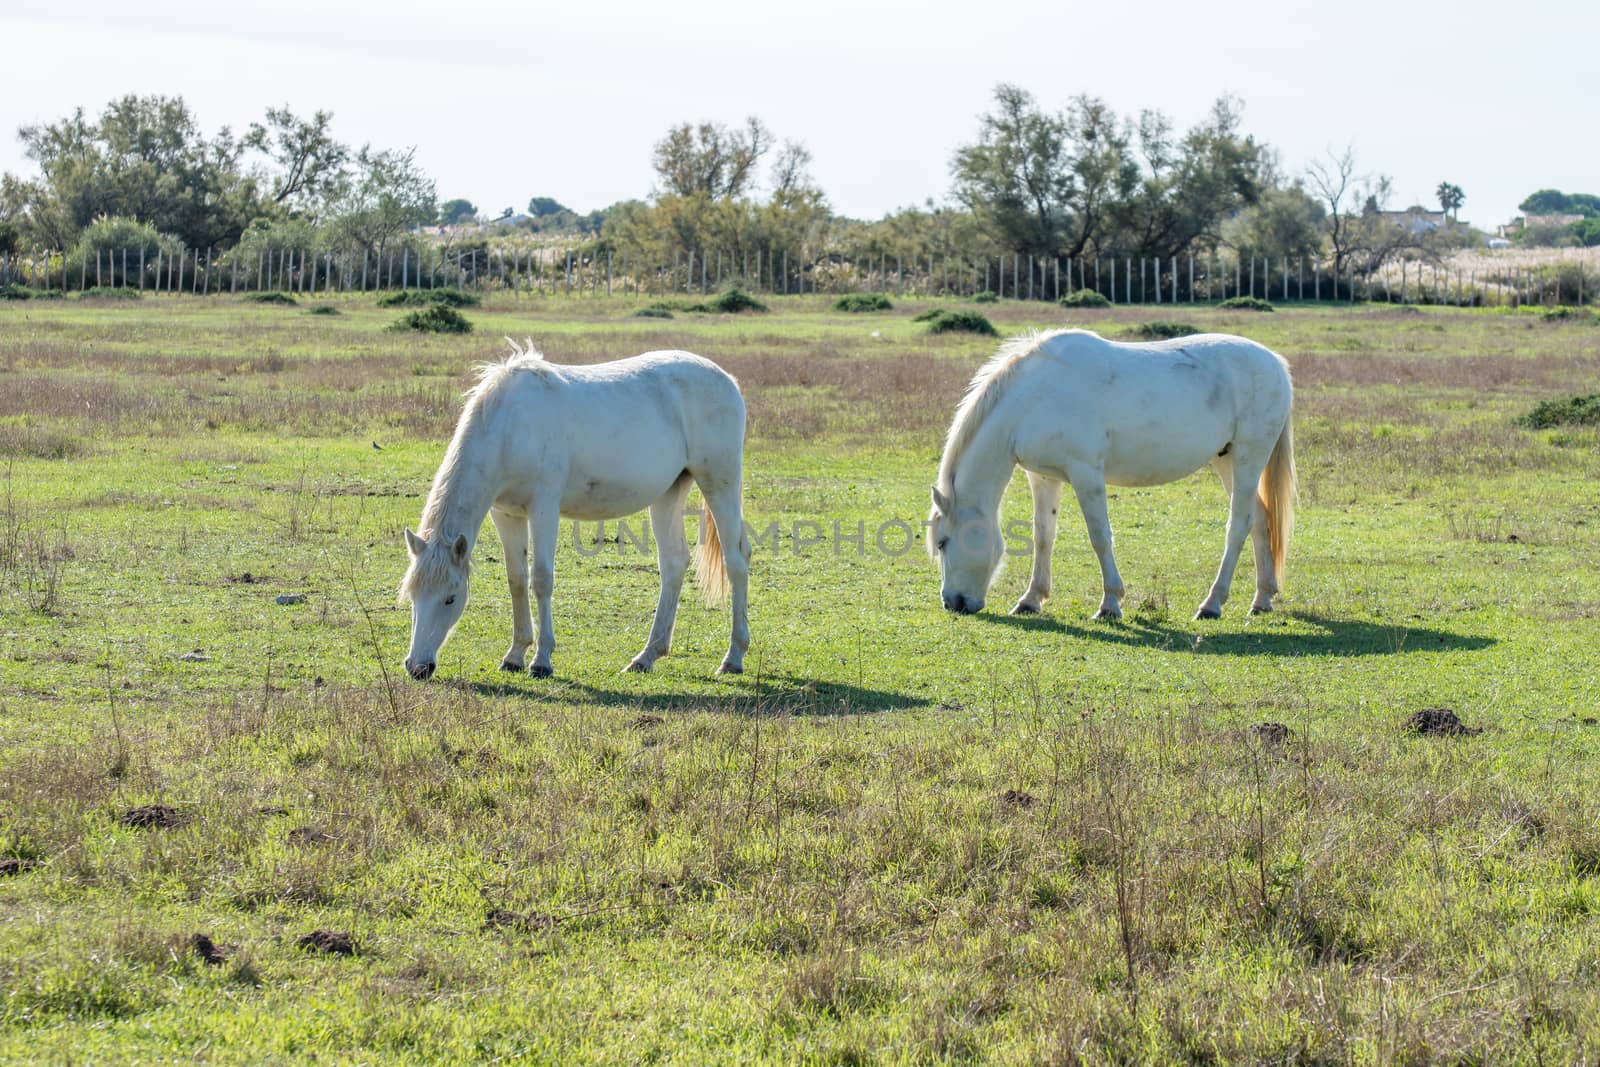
902, 836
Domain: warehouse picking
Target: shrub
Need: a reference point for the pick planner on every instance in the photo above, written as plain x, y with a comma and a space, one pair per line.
928, 316
323, 309
1084, 298
107, 292
271, 298
15, 292
947, 321
1162, 331
1562, 313
985, 297
1569, 411
435, 318
863, 302
654, 311
115, 235
734, 301
1246, 303
455, 298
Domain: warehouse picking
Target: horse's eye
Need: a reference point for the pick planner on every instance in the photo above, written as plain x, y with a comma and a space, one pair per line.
942, 542
449, 600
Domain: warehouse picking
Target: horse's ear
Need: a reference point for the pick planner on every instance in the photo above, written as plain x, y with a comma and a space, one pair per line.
458, 551
941, 503
414, 544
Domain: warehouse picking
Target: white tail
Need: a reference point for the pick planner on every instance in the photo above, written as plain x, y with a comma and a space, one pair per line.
1277, 492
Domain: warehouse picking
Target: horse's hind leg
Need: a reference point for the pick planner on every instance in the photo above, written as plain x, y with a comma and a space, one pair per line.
513, 531
1090, 488
1240, 478
672, 556
1046, 505
1266, 574
728, 513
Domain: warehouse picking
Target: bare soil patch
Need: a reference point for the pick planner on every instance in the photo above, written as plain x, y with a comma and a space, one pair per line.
152, 817
332, 942
1438, 722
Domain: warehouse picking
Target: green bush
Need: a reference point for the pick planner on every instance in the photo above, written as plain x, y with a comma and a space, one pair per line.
947, 321
985, 297
15, 292
323, 309
1163, 331
1569, 411
928, 316
1562, 313
1084, 298
448, 297
435, 318
108, 238
734, 301
654, 311
1246, 303
863, 302
107, 292
270, 298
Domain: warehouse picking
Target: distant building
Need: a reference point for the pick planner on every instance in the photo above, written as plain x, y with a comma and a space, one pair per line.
1537, 222
1416, 220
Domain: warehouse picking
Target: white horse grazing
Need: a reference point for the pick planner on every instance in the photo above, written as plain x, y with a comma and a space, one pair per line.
1071, 407
537, 442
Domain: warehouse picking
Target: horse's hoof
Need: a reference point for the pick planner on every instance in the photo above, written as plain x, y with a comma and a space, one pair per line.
730, 668
1103, 615
507, 665
1024, 608
637, 667
1257, 609
1208, 613
540, 672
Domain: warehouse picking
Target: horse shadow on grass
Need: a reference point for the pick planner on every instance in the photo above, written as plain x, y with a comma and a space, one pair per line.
747, 694
1332, 636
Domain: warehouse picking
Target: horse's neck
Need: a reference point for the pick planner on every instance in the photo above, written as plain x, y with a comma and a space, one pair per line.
469, 487
984, 467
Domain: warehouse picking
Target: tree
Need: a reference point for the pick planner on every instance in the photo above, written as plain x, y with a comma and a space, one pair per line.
1018, 175
143, 158
1450, 199
540, 206
386, 195
452, 212
710, 159
1284, 221
1360, 238
1555, 202
310, 163
1190, 185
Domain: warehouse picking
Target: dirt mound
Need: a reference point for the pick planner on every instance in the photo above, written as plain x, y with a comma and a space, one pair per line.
203, 947
333, 942
152, 817
1438, 722
11, 865
644, 722
1271, 733
308, 835
1016, 798
505, 919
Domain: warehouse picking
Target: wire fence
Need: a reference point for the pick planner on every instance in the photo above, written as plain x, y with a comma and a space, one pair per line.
586, 272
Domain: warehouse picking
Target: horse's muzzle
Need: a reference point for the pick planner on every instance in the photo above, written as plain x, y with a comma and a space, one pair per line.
420, 671
958, 603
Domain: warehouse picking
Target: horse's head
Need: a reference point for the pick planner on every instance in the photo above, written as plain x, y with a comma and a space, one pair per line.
436, 584
967, 543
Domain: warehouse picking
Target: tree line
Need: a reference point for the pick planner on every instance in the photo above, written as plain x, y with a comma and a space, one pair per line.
1056, 185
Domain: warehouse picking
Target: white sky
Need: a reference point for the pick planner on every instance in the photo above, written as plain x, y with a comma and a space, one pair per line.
510, 100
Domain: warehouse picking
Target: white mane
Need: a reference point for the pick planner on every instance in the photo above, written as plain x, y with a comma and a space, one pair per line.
982, 394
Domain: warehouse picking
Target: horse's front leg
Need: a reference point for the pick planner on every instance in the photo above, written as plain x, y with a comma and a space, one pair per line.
1046, 508
545, 523
1090, 487
513, 531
